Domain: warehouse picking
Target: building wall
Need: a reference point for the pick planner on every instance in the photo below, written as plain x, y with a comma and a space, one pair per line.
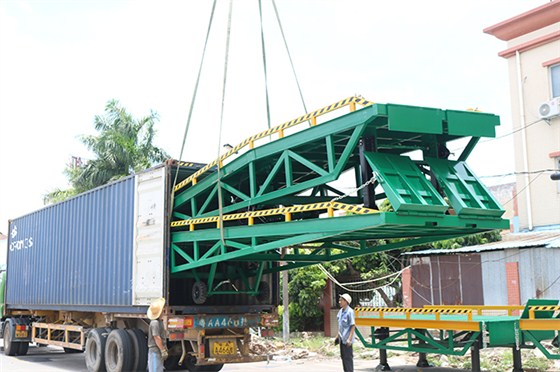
446, 280
542, 138
511, 276
538, 274
505, 194
493, 275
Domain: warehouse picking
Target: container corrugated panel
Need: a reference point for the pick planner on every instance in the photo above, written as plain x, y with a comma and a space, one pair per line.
75, 255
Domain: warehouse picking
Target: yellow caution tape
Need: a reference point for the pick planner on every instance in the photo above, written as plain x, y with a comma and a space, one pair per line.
276, 129
412, 310
277, 211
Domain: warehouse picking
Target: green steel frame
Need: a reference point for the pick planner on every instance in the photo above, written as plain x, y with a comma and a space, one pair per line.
453, 330
422, 341
315, 165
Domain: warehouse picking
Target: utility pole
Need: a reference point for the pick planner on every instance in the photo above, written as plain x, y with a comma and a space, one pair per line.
285, 303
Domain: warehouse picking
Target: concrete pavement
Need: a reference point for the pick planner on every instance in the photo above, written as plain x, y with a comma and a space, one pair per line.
50, 359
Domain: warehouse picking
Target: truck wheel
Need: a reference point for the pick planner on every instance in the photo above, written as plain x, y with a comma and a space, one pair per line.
139, 349
95, 350
118, 351
11, 348
23, 348
199, 292
172, 364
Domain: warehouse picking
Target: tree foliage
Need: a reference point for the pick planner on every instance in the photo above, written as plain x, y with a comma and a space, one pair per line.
122, 146
305, 289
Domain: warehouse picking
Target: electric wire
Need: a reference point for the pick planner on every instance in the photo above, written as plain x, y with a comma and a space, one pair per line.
343, 286
551, 284
549, 170
219, 178
503, 135
289, 54
523, 189
363, 281
264, 66
193, 99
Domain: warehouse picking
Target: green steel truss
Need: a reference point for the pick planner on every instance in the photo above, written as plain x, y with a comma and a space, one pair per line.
422, 341
318, 164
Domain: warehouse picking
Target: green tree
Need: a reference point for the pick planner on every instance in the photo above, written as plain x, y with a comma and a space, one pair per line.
305, 289
123, 145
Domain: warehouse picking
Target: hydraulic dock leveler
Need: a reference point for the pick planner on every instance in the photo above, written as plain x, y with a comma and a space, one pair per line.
453, 330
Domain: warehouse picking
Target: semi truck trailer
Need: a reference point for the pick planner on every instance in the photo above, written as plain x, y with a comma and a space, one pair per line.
81, 274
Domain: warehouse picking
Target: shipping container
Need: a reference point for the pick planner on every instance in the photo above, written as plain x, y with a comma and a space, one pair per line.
105, 250
100, 258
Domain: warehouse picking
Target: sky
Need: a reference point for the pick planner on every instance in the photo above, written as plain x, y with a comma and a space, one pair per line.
61, 61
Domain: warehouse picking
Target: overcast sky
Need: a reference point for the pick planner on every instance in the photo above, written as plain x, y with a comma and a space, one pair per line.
61, 61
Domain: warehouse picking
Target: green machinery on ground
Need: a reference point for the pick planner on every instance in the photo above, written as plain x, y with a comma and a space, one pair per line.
453, 330
300, 196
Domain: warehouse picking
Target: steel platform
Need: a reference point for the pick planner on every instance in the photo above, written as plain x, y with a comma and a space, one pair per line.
454, 330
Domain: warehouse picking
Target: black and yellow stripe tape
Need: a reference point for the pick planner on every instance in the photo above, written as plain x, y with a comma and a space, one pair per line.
276, 211
276, 129
411, 310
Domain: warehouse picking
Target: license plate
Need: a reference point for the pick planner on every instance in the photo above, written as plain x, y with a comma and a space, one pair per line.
223, 348
21, 334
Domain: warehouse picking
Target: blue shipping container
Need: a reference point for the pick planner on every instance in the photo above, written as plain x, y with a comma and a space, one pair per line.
76, 255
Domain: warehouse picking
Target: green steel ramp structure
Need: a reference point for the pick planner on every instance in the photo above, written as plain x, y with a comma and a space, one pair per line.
299, 197
456, 329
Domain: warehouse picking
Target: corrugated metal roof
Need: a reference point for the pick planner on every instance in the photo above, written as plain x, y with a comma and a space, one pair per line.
547, 239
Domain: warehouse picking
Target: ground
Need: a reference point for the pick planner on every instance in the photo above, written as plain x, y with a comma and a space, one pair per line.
305, 354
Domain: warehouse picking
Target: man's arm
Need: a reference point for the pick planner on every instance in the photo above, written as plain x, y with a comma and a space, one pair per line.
162, 348
351, 336
159, 343
352, 327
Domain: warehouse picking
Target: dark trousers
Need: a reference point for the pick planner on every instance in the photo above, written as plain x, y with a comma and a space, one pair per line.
347, 355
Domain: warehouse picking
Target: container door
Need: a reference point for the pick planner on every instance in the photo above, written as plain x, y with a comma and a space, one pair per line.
149, 236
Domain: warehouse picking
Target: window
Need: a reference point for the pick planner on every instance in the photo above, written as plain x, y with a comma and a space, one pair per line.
555, 80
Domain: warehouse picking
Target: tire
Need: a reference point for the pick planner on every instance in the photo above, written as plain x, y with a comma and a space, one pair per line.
68, 350
95, 350
139, 349
23, 348
11, 348
199, 292
172, 364
118, 351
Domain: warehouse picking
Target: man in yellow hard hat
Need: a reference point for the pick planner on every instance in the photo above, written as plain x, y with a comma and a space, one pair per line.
157, 350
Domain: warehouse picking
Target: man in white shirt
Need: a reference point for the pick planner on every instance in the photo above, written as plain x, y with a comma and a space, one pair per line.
346, 327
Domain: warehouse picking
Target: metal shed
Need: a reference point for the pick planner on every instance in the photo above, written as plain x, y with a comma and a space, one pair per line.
509, 272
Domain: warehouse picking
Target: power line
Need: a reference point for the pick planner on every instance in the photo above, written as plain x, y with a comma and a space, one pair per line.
512, 132
523, 189
343, 286
503, 135
521, 173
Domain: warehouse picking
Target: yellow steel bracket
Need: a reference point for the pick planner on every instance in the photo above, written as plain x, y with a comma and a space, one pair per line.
540, 324
420, 318
480, 309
